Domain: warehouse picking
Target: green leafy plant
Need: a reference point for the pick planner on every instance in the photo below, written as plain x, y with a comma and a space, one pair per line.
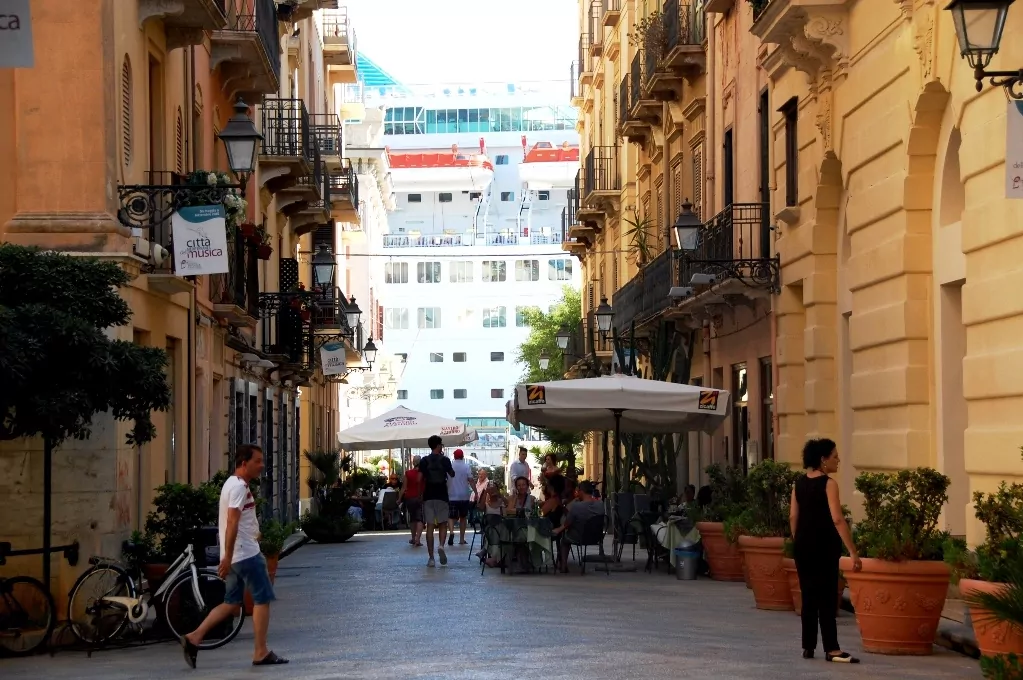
769, 485
729, 493
139, 550
1002, 606
901, 513
273, 534
543, 332
180, 510
648, 31
638, 234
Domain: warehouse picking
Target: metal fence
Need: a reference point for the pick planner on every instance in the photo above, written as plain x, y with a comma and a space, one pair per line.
602, 172
344, 183
259, 16
287, 326
285, 128
326, 129
646, 294
736, 239
636, 78
684, 24
240, 285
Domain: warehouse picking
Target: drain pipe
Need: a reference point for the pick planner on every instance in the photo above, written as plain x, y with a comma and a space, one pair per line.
710, 134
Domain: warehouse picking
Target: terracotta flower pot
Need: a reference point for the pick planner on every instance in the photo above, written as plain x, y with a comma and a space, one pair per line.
789, 565
264, 252
993, 637
898, 604
246, 229
271, 568
745, 570
767, 577
724, 558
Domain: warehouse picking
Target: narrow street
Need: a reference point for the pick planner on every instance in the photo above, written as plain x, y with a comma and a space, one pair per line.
371, 609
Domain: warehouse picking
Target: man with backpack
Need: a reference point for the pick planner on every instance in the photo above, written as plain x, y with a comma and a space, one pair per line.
436, 469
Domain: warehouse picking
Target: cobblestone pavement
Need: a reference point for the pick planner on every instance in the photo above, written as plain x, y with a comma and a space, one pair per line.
371, 609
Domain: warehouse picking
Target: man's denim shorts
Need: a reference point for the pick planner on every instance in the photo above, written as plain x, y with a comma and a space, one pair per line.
249, 574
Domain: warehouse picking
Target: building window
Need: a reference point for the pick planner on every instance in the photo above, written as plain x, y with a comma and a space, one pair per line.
461, 394
495, 317
497, 356
396, 272
428, 272
428, 317
444, 197
527, 270
402, 357
766, 408
395, 318
502, 159
729, 168
495, 270
559, 270
402, 394
415, 198
497, 394
460, 272
458, 357
791, 113
436, 357
436, 394
507, 196
543, 195
520, 316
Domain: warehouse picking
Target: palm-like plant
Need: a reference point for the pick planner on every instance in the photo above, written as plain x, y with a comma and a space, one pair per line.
638, 234
1004, 605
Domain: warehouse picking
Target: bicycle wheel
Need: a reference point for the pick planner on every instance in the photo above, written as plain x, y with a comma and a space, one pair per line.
27, 615
183, 614
93, 620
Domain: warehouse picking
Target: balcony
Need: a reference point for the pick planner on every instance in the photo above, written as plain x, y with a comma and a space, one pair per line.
411, 241
645, 296
339, 47
733, 256
287, 331
344, 190
287, 149
185, 21
642, 108
596, 27
612, 13
585, 72
303, 9
574, 90
602, 186
630, 126
247, 50
316, 209
326, 130
235, 295
685, 29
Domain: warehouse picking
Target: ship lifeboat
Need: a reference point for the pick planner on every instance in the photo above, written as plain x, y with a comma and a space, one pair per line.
547, 166
439, 170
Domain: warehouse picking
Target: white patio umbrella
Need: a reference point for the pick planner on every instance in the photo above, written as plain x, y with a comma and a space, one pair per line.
618, 402
405, 427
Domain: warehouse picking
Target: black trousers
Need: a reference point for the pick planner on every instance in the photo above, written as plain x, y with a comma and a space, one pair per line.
818, 581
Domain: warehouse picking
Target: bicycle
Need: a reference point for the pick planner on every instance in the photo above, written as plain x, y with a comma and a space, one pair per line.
105, 600
27, 612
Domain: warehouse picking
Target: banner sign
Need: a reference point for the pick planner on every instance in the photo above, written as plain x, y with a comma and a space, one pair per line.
1014, 150
332, 358
199, 236
16, 35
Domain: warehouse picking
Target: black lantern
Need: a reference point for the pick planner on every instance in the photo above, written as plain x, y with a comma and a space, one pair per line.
369, 352
324, 266
605, 315
352, 313
687, 228
241, 140
544, 360
562, 337
979, 25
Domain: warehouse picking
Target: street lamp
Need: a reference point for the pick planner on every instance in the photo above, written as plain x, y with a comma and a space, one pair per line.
369, 352
241, 140
687, 228
324, 266
545, 360
563, 337
979, 25
352, 312
605, 315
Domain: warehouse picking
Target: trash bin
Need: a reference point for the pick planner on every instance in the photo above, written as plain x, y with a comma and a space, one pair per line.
687, 563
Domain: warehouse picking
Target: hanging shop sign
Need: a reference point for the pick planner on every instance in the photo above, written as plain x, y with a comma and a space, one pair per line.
332, 358
199, 235
16, 35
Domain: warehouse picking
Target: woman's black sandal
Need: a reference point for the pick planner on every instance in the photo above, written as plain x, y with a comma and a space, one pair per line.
807, 653
844, 657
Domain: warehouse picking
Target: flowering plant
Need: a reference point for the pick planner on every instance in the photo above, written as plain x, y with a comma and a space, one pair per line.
234, 204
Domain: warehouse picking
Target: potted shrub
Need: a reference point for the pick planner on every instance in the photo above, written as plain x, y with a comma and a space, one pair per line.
987, 570
1003, 607
789, 565
263, 248
765, 525
329, 521
728, 495
899, 593
180, 511
247, 230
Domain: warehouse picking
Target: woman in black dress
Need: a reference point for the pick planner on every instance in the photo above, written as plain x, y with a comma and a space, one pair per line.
818, 530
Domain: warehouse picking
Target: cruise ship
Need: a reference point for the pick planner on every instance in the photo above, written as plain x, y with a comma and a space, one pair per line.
481, 175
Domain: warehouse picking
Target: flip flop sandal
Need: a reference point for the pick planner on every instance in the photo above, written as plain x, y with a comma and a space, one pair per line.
190, 650
270, 659
844, 657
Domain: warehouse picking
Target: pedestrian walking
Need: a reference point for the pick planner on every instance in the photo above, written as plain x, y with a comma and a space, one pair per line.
436, 469
460, 490
412, 493
241, 564
818, 531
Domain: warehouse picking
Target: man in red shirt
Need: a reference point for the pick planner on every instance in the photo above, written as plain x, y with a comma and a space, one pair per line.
412, 492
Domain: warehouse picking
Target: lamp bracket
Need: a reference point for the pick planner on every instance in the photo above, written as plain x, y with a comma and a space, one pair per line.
1011, 81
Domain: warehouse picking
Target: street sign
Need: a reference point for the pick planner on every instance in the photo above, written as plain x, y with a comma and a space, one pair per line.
16, 35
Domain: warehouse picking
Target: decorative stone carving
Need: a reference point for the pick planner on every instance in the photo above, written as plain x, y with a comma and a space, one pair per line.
923, 40
155, 9
824, 119
812, 38
906, 7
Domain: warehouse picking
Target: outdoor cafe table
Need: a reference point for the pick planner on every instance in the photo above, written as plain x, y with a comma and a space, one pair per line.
533, 532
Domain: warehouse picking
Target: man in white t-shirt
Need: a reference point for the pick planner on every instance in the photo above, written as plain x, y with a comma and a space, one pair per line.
460, 490
242, 566
520, 468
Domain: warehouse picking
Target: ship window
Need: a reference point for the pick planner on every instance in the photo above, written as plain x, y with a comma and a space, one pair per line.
445, 198
461, 394
415, 198
502, 159
507, 196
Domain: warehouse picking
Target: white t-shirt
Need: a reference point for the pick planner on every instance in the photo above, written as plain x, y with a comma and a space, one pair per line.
458, 486
520, 469
236, 494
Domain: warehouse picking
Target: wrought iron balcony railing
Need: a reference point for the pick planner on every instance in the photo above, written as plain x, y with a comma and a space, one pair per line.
624, 100
584, 54
286, 129
653, 50
601, 170
646, 294
287, 327
573, 80
636, 79
329, 314
735, 243
149, 206
259, 16
336, 25
402, 241
684, 24
573, 206
344, 184
240, 286
596, 24
326, 130
317, 176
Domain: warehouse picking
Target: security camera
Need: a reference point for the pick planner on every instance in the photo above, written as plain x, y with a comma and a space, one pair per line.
703, 280
681, 292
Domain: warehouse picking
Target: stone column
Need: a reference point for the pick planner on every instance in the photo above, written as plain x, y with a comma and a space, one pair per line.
791, 357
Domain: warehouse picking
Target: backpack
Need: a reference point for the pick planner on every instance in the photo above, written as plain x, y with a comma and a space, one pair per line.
435, 472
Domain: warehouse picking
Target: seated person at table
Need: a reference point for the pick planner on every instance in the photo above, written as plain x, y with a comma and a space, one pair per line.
492, 501
585, 508
522, 502
553, 507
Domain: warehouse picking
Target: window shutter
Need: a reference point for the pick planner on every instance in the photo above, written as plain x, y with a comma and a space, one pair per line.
179, 143
126, 96
661, 230
698, 182
676, 190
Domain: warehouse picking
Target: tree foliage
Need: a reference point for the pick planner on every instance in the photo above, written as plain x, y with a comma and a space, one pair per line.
58, 367
543, 331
